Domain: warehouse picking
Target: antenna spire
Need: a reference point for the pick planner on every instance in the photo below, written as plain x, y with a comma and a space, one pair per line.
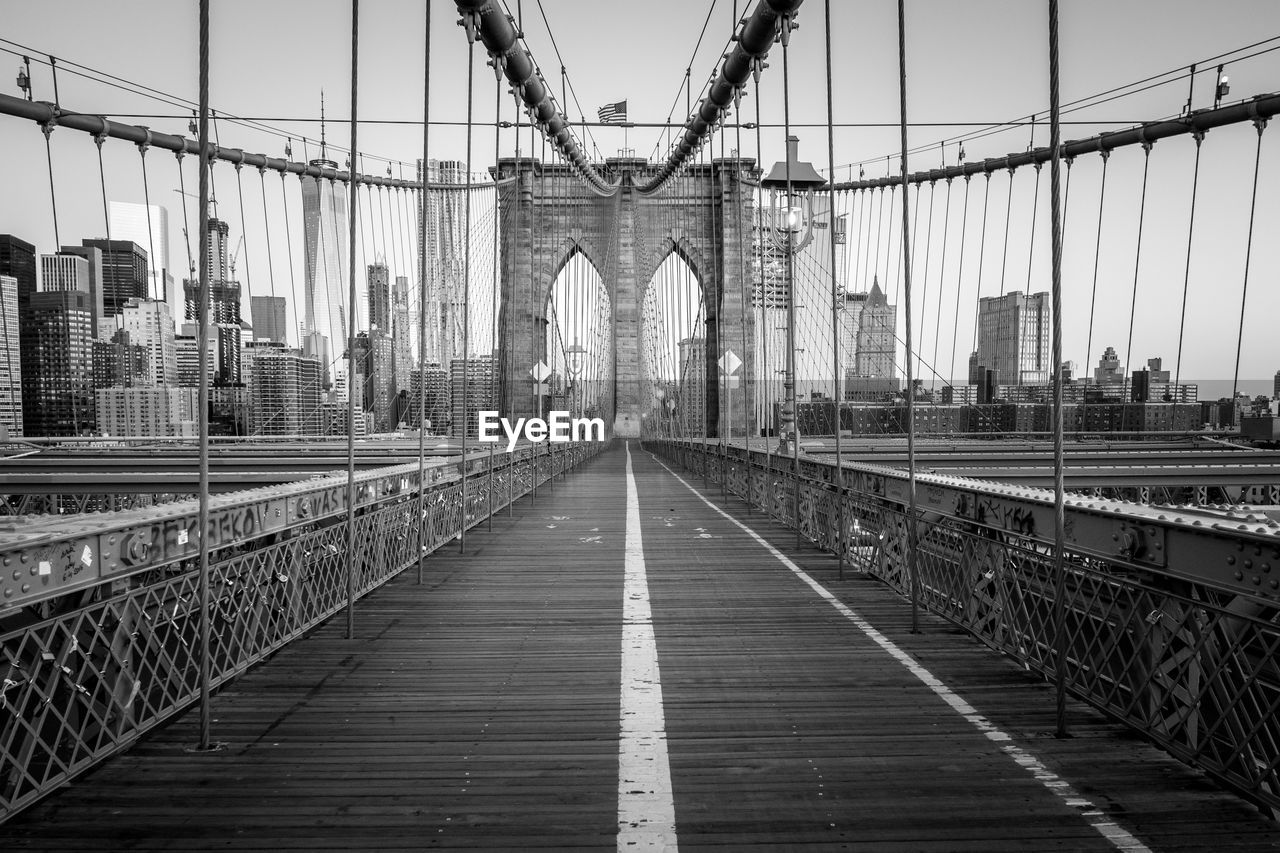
322, 154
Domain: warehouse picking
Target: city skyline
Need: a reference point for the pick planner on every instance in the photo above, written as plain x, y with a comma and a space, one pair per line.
1189, 33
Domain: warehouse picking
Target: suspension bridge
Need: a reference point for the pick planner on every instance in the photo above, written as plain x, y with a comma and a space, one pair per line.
864, 560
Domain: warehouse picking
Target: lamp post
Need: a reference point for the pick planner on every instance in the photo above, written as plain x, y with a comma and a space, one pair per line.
575, 358
791, 185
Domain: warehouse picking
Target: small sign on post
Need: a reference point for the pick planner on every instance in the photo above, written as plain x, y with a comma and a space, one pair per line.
729, 364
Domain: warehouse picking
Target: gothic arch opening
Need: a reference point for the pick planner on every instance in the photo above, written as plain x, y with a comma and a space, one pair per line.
578, 341
673, 348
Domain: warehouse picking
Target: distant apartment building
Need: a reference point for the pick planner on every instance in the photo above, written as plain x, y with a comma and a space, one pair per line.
143, 410
187, 355
270, 318
149, 324
439, 397
474, 386
1013, 338
285, 391
120, 362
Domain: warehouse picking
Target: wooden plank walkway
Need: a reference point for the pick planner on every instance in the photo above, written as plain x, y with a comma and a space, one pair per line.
481, 710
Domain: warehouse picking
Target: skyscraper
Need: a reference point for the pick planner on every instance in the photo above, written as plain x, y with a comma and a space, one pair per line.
224, 291
93, 258
324, 228
375, 365
876, 340
402, 331
57, 365
1013, 337
10, 358
18, 259
379, 287
445, 218
270, 318
124, 272
692, 383
149, 228
225, 319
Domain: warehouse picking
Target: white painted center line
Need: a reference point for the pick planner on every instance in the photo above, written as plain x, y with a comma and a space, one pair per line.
1119, 837
646, 810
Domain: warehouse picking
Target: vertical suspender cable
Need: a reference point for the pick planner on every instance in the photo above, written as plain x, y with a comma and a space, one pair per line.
496, 282
1260, 124
422, 296
288, 242
509, 357
157, 275
982, 254
47, 130
942, 274
835, 295
1137, 261
912, 566
924, 273
1198, 136
955, 326
1059, 495
1093, 299
466, 290
266, 226
351, 332
202, 319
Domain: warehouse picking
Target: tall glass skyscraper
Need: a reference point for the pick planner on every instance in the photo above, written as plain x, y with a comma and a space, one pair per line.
129, 221
324, 219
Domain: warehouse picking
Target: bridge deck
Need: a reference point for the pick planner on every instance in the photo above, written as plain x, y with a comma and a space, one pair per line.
482, 709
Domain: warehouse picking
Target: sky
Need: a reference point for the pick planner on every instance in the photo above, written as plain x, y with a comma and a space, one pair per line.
972, 62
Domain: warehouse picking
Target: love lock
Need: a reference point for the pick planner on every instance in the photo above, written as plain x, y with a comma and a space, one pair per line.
1129, 541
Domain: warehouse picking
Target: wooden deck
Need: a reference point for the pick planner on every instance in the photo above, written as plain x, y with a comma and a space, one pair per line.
482, 710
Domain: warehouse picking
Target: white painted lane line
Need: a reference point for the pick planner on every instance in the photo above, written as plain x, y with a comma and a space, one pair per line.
646, 810
1119, 837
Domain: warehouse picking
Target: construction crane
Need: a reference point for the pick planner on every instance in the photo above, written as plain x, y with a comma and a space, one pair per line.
231, 265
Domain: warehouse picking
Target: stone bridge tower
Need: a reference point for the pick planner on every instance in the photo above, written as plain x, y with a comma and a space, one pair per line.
705, 216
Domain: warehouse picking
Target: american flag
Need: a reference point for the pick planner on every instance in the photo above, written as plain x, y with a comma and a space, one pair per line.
613, 113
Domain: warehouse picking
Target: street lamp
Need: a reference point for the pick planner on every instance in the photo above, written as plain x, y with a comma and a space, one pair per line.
575, 357
791, 185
